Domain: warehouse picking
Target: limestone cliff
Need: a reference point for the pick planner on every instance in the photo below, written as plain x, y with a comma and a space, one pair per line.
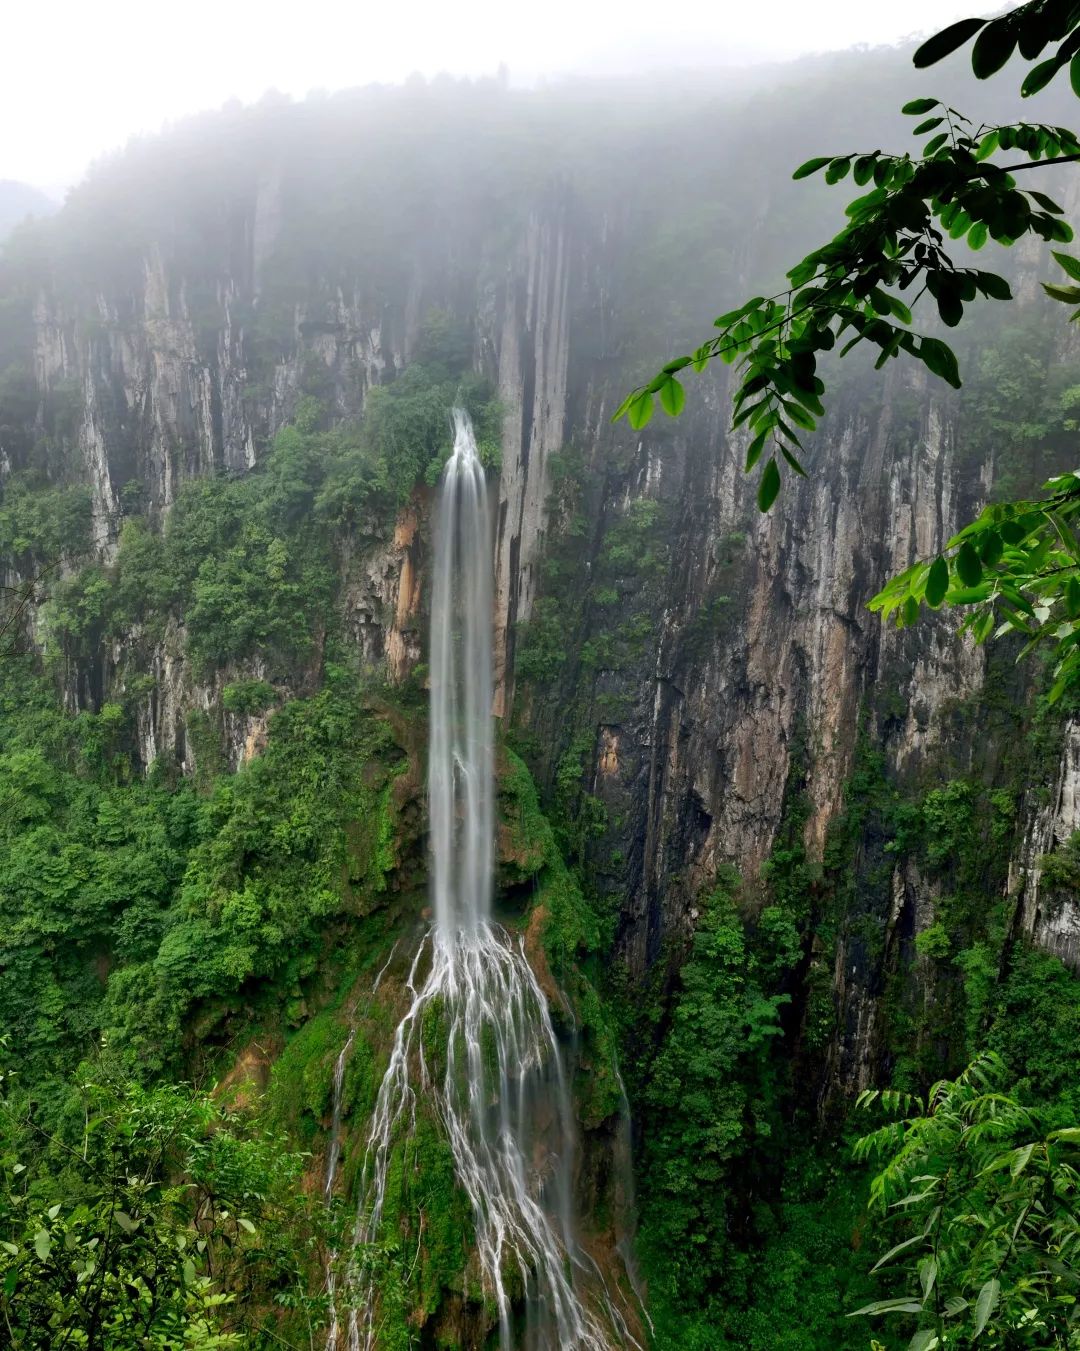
749, 672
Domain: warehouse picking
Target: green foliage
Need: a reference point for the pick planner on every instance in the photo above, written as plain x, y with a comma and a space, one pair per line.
274, 863
1015, 569
579, 815
1036, 1029
248, 565
156, 1220
424, 1241
247, 697
91, 856
301, 1078
792, 1289
705, 1101
406, 433
123, 900
985, 1210
1060, 870
43, 523
542, 643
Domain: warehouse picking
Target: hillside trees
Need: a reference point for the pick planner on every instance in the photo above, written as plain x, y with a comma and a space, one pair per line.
152, 1218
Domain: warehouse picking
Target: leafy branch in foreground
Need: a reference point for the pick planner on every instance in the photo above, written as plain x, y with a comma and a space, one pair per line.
1016, 569
895, 241
985, 1206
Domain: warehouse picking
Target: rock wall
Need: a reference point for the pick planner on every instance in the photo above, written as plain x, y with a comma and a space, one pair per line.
175, 377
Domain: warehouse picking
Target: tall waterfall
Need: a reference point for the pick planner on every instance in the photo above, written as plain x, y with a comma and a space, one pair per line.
496, 1078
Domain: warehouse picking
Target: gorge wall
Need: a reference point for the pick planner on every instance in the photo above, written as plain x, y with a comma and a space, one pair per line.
180, 352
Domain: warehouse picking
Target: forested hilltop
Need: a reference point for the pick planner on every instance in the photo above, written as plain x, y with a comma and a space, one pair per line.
762, 852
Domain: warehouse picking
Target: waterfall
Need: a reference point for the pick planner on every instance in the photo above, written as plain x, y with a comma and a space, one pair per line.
460, 764
496, 1077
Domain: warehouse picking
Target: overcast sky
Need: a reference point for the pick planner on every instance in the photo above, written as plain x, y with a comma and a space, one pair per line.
82, 76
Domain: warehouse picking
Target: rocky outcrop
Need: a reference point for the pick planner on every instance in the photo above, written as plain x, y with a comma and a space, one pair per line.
532, 382
1048, 911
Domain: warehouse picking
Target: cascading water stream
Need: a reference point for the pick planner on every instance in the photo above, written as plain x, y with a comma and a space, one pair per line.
496, 1075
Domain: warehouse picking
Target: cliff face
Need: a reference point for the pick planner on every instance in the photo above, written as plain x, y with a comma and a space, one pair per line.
749, 675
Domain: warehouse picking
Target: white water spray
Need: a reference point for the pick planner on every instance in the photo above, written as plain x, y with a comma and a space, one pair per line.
495, 1076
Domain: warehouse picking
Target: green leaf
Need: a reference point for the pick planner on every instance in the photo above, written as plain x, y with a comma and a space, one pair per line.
895, 1252
246, 1224
1069, 1135
987, 146
950, 307
919, 106
837, 170
672, 397
928, 125
991, 549
1047, 203
43, 1244
726, 320
968, 566
990, 284
887, 1306
985, 1305
1074, 74
799, 416
754, 449
1021, 1159
993, 47
899, 309
768, 487
940, 359
640, 410
1068, 295
937, 583
1012, 532
1069, 264
948, 40
926, 1339
811, 166
977, 235
1039, 77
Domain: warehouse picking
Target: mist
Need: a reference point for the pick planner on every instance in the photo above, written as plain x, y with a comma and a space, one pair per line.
82, 80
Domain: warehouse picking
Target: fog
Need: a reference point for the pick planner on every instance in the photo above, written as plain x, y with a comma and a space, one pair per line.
82, 79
